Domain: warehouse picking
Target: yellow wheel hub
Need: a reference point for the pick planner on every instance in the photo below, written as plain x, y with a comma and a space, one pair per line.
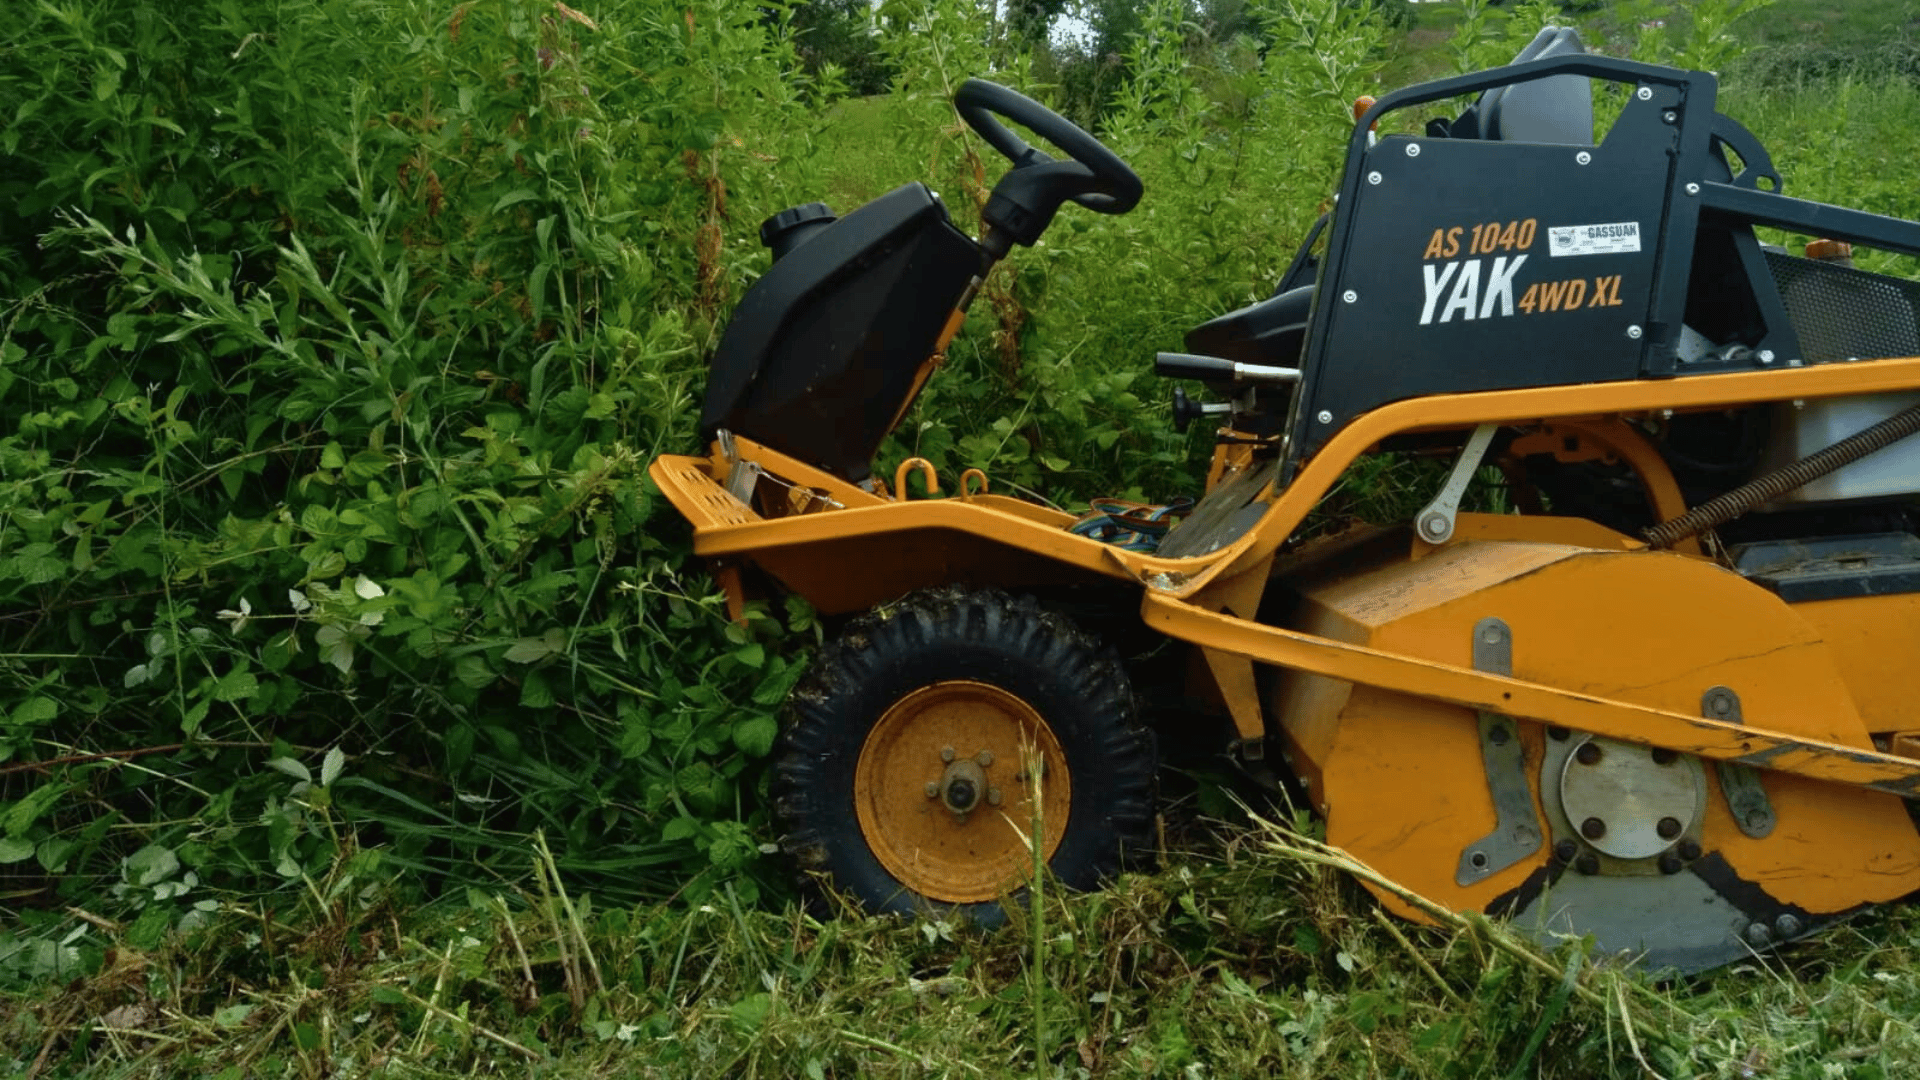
944, 795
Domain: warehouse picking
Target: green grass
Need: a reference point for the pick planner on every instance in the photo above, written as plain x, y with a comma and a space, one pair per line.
1255, 955
1852, 25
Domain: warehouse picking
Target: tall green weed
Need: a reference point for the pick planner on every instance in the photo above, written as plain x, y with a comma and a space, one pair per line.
336, 336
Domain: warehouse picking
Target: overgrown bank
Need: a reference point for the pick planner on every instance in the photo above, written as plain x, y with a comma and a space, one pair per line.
335, 337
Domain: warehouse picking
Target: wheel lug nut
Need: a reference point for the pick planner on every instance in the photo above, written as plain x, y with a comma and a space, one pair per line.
1587, 864
993, 796
933, 789
1565, 850
1689, 850
1670, 863
1588, 754
1668, 828
1664, 756
1557, 733
984, 759
946, 753
1593, 828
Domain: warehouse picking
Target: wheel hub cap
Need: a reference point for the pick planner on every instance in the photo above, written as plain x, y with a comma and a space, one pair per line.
963, 786
944, 790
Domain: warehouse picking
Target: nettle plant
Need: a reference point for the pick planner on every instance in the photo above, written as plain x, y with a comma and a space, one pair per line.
325, 400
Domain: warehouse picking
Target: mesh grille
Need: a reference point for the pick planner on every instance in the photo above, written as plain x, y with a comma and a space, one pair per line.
1843, 314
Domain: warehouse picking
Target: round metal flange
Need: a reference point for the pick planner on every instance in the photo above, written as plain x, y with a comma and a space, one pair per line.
1627, 801
941, 795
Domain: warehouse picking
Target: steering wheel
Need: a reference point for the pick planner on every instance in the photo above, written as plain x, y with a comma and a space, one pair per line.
1095, 178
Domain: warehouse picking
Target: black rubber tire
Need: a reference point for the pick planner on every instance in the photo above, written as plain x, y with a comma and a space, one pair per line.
1077, 686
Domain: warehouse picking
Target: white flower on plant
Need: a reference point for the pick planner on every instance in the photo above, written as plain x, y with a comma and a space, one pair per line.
236, 619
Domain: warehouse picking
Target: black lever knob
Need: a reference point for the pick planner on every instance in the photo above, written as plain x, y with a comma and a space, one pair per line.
1185, 409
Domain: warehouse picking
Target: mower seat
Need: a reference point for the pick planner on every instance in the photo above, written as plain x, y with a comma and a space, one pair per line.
1269, 332
1555, 110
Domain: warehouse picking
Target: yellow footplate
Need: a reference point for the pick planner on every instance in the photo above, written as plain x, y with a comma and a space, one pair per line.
697, 495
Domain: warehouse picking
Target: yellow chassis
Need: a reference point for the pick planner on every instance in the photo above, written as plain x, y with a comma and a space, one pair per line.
847, 549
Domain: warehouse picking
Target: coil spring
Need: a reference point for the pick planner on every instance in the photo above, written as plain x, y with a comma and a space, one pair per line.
1724, 508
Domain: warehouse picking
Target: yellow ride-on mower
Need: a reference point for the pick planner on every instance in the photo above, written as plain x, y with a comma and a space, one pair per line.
1667, 704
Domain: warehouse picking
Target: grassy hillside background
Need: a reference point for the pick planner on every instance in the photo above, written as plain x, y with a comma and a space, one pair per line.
360, 708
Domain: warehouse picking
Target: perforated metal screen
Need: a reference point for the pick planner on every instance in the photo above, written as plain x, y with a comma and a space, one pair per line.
1843, 314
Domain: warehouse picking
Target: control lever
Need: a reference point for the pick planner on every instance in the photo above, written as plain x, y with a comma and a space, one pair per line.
1173, 365
1186, 410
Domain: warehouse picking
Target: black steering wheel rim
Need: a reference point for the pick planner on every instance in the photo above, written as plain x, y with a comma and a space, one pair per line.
1111, 187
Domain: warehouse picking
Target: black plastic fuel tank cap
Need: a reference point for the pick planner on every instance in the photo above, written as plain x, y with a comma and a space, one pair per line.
787, 229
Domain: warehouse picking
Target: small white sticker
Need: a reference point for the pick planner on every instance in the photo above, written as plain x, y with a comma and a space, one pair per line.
1593, 239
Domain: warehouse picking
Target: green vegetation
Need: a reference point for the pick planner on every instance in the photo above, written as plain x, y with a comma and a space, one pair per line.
1806, 38
360, 707
1258, 959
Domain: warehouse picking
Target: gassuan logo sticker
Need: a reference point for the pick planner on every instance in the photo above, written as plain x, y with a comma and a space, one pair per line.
1609, 239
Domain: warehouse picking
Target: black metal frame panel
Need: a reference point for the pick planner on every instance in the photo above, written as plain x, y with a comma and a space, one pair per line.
1462, 265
